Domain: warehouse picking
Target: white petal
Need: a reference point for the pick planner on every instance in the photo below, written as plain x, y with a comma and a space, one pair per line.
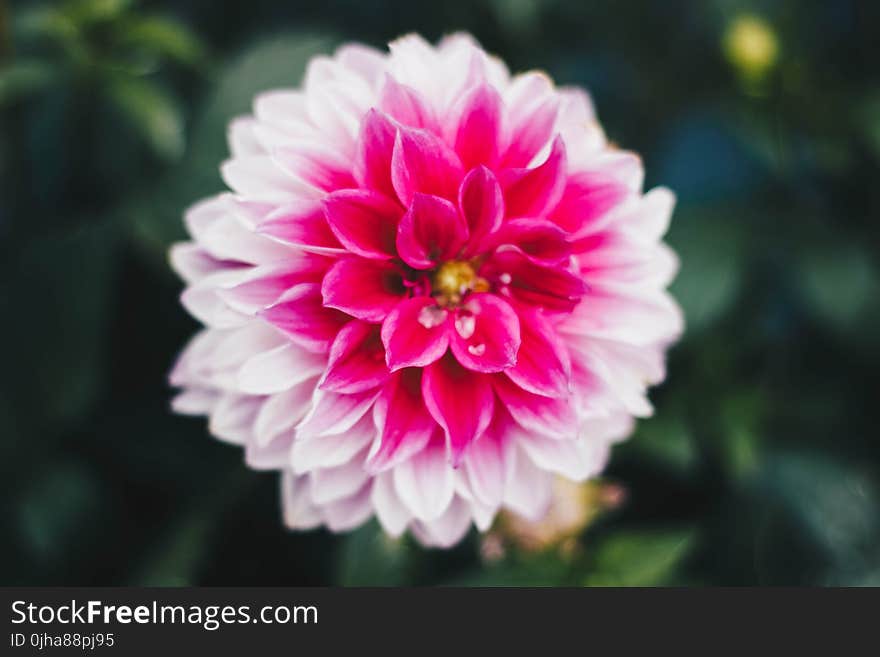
233, 417
334, 413
484, 465
447, 529
312, 452
425, 482
194, 401
279, 369
390, 510
344, 515
280, 412
528, 489
331, 484
576, 459
299, 512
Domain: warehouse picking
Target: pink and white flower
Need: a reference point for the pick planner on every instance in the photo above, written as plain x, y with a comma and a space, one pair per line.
433, 287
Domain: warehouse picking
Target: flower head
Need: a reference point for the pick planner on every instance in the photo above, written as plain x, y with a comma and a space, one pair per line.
433, 287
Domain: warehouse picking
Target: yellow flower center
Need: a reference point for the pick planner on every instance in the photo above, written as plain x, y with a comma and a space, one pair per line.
454, 279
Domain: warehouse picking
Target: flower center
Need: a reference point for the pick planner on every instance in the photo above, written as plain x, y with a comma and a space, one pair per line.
455, 278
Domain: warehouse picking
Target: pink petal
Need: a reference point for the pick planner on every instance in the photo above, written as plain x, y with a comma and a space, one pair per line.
552, 417
357, 359
482, 205
415, 333
333, 413
366, 289
534, 107
445, 387
405, 426
423, 163
431, 231
479, 126
541, 240
365, 222
320, 168
543, 365
304, 225
266, 284
372, 165
300, 313
552, 288
486, 334
535, 192
587, 197
406, 105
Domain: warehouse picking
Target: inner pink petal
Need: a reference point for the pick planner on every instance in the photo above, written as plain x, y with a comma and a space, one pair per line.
540, 239
366, 289
404, 424
415, 333
365, 222
300, 313
486, 334
481, 203
431, 231
478, 127
372, 164
357, 359
543, 365
460, 400
552, 288
406, 105
535, 192
423, 163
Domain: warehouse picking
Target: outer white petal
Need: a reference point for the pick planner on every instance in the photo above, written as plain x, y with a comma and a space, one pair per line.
279, 369
331, 484
299, 512
346, 514
447, 529
233, 417
528, 488
390, 510
310, 452
425, 482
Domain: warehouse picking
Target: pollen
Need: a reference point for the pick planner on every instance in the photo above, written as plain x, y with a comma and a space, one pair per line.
454, 279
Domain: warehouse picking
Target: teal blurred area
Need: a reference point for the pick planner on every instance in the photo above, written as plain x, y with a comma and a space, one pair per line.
761, 465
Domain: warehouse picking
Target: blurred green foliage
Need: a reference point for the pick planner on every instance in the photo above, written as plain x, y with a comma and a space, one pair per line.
762, 462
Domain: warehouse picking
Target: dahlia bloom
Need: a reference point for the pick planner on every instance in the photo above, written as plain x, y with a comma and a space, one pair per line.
433, 287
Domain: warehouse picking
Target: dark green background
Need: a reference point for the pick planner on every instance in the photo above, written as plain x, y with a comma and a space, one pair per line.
762, 464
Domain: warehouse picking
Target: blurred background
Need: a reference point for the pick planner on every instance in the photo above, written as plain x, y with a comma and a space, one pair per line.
762, 463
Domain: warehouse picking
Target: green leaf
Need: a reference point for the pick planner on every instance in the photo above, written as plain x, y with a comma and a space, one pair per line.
61, 350
839, 282
640, 558
91, 11
278, 62
54, 510
164, 37
838, 504
24, 77
152, 112
369, 557
184, 547
664, 438
709, 244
